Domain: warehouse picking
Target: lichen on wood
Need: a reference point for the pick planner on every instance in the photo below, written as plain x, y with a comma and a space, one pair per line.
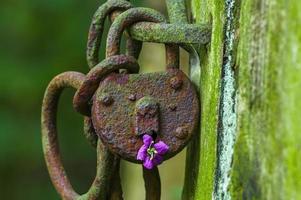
257, 158
228, 115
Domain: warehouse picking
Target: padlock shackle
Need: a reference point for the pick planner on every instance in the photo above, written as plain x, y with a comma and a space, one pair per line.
134, 15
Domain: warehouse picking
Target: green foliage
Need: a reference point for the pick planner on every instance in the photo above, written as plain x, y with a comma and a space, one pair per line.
39, 39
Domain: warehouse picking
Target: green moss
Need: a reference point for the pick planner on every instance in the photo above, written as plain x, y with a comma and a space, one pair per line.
266, 159
266, 163
200, 183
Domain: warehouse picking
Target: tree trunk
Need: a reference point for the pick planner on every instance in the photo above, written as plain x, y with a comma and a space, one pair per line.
250, 88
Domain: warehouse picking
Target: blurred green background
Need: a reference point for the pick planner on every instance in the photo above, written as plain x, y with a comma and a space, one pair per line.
38, 40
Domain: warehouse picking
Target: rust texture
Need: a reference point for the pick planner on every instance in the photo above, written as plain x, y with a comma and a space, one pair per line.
52, 155
147, 116
116, 124
119, 108
130, 17
96, 74
112, 8
171, 33
89, 132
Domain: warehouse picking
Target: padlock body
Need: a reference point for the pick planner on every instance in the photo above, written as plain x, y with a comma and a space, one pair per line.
114, 111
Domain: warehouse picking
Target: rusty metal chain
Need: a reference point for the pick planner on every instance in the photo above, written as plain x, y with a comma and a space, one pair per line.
111, 8
128, 18
106, 184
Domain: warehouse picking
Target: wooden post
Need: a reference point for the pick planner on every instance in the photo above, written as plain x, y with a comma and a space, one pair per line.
249, 142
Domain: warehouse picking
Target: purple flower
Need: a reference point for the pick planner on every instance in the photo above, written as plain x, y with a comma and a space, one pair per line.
151, 153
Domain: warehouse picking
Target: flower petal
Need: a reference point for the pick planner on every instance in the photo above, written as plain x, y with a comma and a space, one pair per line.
148, 163
142, 153
147, 139
161, 147
157, 160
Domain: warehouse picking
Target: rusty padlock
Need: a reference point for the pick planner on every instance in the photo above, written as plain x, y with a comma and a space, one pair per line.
126, 106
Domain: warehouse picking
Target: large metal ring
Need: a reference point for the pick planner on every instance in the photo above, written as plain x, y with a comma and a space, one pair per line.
105, 160
97, 27
134, 15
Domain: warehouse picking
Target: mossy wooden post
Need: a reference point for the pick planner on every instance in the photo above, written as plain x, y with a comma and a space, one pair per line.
249, 142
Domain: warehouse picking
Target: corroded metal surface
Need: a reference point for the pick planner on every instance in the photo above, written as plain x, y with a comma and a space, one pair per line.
144, 30
125, 106
113, 7
89, 86
130, 17
115, 124
147, 116
171, 33
105, 160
